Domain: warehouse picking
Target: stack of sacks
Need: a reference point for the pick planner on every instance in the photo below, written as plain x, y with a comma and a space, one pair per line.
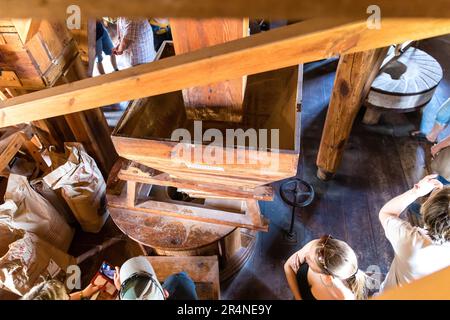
26, 260
82, 186
26, 209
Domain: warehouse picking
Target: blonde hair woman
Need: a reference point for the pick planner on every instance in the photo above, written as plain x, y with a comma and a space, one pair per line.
56, 290
325, 269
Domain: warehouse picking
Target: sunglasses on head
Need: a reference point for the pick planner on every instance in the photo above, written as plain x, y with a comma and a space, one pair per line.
321, 252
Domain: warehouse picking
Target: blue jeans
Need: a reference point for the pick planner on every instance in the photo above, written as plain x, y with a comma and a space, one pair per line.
180, 287
442, 117
415, 206
104, 44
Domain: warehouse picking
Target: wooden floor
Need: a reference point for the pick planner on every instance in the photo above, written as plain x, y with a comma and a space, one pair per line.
376, 167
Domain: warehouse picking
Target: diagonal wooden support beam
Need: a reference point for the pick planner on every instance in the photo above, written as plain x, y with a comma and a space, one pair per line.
354, 76
298, 43
285, 9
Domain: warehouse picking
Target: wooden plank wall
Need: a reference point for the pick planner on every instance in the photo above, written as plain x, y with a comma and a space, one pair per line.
220, 101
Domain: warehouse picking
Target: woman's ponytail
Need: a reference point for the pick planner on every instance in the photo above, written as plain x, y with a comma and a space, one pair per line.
357, 284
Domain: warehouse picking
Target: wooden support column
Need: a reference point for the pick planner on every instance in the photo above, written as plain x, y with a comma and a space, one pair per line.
355, 74
90, 127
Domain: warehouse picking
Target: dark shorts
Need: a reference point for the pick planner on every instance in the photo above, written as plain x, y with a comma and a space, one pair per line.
180, 287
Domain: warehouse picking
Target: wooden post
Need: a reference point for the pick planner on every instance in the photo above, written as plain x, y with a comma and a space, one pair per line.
354, 75
90, 127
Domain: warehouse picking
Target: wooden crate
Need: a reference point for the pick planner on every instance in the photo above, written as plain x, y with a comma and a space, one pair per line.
144, 134
34, 53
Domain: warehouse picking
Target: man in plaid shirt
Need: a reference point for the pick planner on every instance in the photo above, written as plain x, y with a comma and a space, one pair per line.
135, 40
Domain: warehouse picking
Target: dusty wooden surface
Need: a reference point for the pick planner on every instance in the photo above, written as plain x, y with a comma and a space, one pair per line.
167, 232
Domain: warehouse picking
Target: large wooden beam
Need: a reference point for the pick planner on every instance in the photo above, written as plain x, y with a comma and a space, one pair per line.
355, 73
291, 45
287, 9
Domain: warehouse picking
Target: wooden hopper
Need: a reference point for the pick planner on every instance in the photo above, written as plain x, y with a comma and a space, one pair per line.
144, 136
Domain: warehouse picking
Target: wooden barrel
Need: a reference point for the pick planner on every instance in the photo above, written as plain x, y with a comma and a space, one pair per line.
406, 83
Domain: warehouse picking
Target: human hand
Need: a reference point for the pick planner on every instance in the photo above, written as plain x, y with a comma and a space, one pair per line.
117, 51
166, 294
117, 278
426, 185
435, 149
91, 290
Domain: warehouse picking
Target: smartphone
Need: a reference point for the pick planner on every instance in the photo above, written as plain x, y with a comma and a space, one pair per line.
107, 270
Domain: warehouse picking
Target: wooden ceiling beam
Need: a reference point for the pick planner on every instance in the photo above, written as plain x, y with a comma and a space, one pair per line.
287, 46
286, 9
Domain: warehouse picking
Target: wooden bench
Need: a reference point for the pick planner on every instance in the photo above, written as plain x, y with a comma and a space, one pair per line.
204, 271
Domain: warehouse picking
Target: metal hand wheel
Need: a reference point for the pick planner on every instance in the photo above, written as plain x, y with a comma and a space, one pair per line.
296, 193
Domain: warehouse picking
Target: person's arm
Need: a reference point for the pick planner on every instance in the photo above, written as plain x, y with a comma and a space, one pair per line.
441, 145
291, 268
117, 278
123, 45
397, 205
128, 37
292, 281
86, 293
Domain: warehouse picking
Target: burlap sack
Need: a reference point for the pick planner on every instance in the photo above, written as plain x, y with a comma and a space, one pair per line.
441, 163
55, 199
26, 209
82, 186
28, 260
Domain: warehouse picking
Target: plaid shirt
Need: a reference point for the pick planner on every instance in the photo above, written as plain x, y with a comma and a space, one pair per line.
140, 34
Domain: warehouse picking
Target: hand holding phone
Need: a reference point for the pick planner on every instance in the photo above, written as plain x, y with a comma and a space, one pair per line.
107, 270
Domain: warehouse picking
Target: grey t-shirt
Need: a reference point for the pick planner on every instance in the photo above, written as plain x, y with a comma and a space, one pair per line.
415, 254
